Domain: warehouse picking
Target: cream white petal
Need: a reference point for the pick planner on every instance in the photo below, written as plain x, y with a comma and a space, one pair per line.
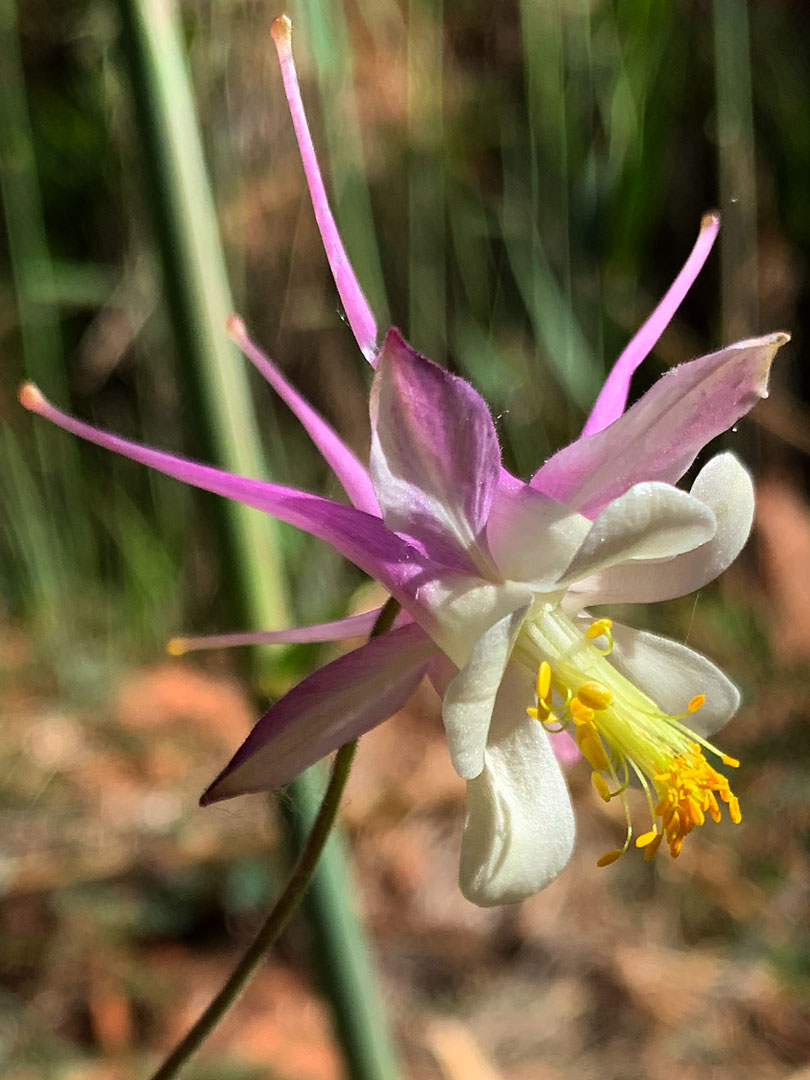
532, 538
725, 486
463, 607
672, 674
650, 521
519, 827
470, 696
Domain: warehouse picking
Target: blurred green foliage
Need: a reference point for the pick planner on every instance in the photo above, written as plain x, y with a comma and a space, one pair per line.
516, 184
520, 185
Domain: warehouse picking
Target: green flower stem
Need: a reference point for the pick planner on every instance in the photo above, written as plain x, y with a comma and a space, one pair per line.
286, 903
274, 923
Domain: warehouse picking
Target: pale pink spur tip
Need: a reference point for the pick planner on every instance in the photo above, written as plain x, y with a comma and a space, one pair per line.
30, 397
281, 29
235, 328
358, 313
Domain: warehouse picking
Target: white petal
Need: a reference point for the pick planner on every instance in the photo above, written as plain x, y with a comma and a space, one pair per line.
672, 674
463, 607
650, 521
725, 486
533, 538
469, 699
519, 829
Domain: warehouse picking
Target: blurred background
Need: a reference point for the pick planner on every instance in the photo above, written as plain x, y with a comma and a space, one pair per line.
516, 184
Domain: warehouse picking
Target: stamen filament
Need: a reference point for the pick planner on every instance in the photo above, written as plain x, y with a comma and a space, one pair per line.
619, 730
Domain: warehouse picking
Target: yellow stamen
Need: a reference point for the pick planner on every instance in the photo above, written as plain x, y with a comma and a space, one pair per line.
592, 748
610, 857
650, 849
622, 733
595, 695
543, 681
598, 628
581, 713
601, 786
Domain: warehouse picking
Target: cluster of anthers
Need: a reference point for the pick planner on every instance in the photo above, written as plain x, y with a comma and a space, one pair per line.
621, 733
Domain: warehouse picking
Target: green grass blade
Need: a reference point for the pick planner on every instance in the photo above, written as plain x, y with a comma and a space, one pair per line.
198, 293
427, 303
736, 169
197, 287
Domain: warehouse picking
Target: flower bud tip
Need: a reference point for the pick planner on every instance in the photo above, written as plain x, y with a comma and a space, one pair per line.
710, 220
281, 30
30, 397
176, 646
235, 327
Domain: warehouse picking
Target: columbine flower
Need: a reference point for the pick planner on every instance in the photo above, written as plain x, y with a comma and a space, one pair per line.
495, 578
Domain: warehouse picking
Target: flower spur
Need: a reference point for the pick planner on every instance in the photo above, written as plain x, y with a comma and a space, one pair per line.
495, 577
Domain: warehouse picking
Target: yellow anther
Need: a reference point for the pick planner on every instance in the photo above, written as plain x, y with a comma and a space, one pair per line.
598, 628
647, 838
176, 646
650, 849
539, 712
689, 790
581, 713
543, 681
696, 812
730, 761
601, 786
610, 857
697, 702
593, 750
594, 695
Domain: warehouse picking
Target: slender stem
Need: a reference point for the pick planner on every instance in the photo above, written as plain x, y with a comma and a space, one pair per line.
286, 903
274, 923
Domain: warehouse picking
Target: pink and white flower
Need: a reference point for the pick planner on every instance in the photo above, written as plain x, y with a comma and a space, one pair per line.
495, 577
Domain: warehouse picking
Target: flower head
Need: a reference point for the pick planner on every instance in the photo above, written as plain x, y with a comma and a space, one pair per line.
495, 578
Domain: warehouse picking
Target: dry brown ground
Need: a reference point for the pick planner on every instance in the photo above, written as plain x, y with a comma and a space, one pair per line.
121, 911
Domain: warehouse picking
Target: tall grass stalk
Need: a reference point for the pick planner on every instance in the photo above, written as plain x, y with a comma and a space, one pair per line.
427, 300
199, 303
736, 168
54, 567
